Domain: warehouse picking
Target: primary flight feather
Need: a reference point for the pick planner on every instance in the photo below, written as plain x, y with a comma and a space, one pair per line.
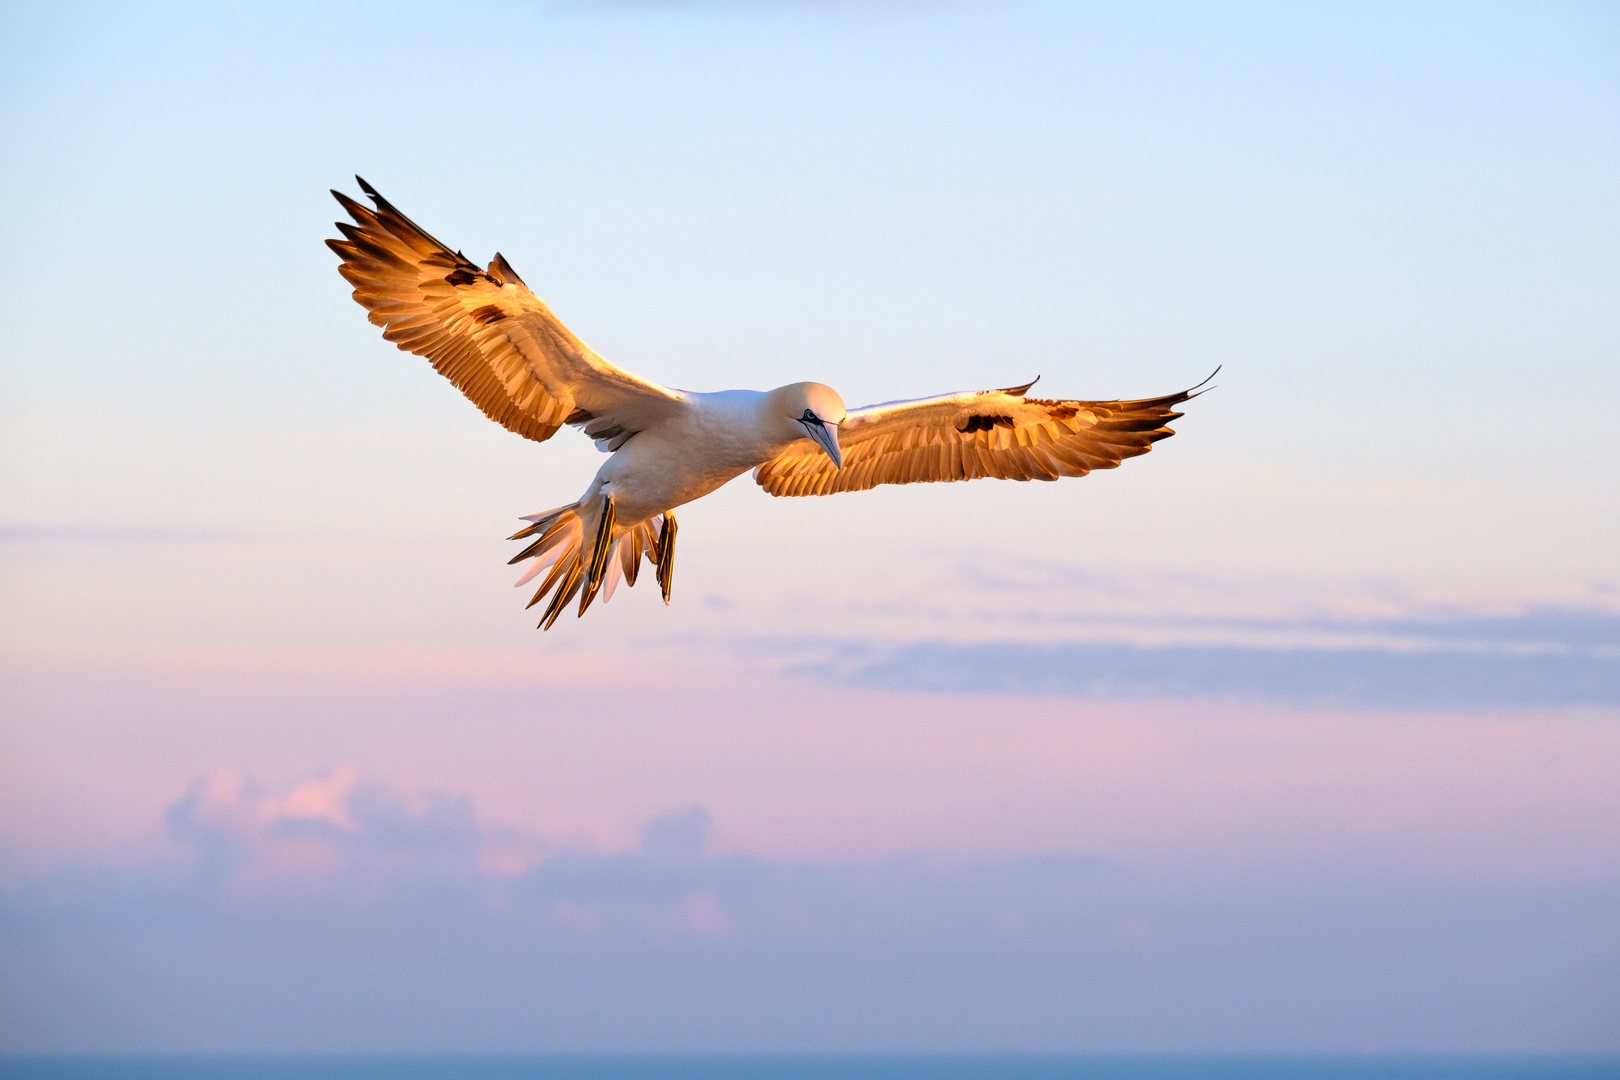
485, 331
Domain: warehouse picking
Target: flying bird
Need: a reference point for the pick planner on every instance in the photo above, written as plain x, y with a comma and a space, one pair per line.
485, 331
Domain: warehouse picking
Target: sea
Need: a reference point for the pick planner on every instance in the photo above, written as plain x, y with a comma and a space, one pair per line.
814, 1067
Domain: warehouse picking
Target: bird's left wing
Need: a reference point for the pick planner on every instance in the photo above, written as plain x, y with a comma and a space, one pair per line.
487, 333
988, 433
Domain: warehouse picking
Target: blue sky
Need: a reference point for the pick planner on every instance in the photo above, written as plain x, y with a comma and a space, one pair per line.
1357, 623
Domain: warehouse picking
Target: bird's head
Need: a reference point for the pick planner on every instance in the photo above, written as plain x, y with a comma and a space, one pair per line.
811, 410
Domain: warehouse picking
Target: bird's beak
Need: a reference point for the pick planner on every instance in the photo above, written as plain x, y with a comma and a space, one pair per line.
826, 437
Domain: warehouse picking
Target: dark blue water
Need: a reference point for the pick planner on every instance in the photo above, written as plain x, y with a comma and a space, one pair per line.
813, 1067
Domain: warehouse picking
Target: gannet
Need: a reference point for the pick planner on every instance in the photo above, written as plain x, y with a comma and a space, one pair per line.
501, 345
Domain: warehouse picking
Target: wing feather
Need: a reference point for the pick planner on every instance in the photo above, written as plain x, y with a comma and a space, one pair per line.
484, 330
1000, 434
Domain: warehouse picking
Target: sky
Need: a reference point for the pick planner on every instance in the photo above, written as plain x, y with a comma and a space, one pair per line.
1298, 734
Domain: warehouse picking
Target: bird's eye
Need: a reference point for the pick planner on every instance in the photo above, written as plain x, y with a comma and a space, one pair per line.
811, 418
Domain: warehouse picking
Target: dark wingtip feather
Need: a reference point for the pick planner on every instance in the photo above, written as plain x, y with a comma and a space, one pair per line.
1199, 389
355, 210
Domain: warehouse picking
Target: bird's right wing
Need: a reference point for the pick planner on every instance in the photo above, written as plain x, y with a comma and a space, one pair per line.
988, 433
487, 333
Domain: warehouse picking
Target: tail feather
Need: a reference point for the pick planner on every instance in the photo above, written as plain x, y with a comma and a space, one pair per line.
614, 574
630, 549
556, 548
547, 515
541, 521
666, 556
564, 566
565, 591
582, 547
550, 540
601, 552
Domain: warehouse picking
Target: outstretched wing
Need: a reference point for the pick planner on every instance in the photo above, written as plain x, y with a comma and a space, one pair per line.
487, 333
995, 433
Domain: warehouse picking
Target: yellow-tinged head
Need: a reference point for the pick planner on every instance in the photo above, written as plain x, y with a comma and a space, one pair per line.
811, 410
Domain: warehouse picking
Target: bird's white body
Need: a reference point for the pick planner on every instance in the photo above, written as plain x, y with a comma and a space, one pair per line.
501, 345
656, 470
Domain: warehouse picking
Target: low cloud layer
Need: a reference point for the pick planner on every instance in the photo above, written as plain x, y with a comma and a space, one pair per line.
1357, 652
338, 914
1356, 678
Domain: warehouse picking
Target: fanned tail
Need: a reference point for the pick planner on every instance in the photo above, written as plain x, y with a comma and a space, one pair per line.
585, 551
